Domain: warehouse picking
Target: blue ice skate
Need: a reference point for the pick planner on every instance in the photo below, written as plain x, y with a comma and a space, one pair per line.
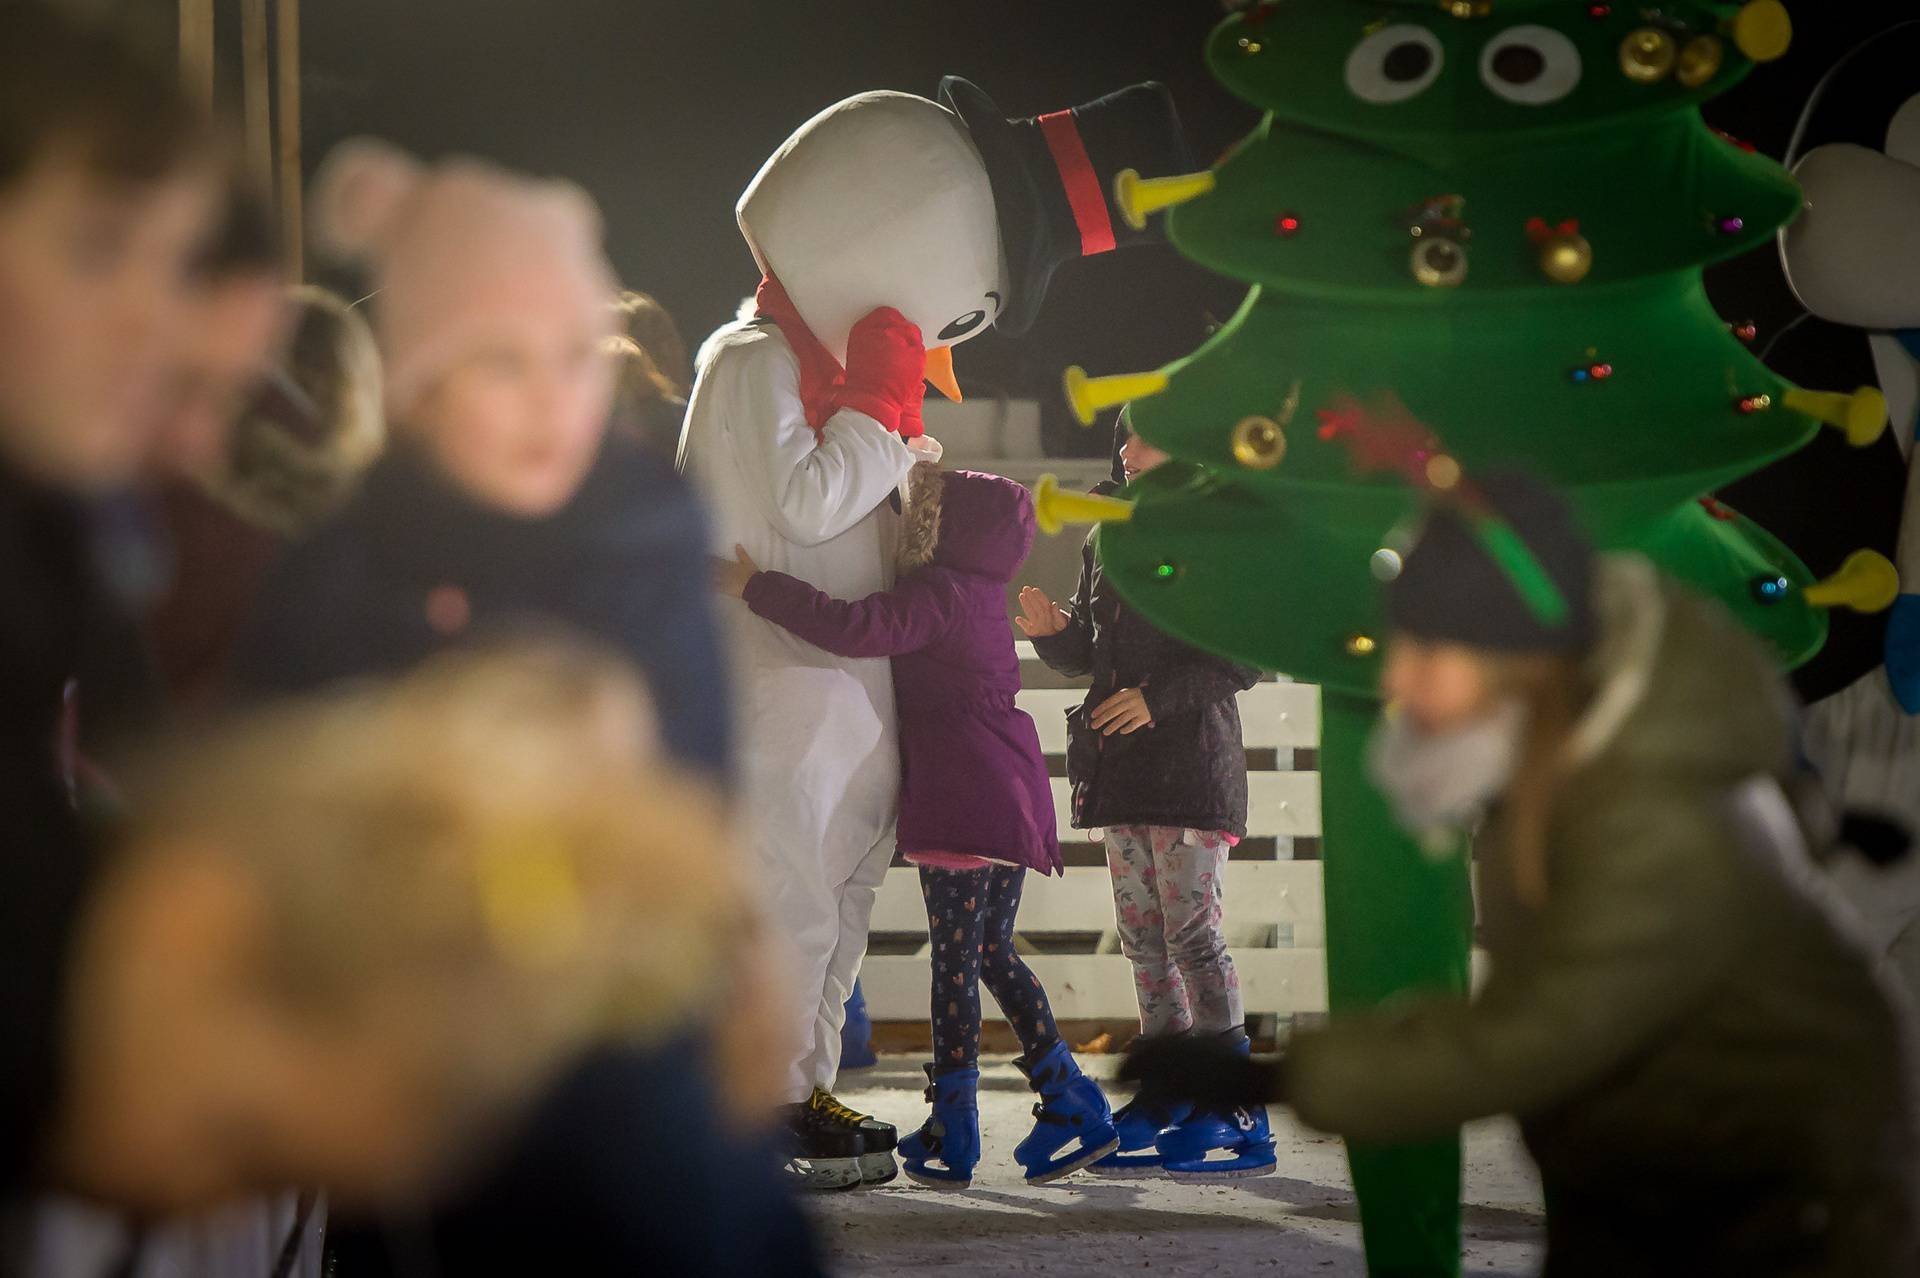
856, 1035
1138, 1122
944, 1152
1240, 1135
1075, 1126
1219, 1146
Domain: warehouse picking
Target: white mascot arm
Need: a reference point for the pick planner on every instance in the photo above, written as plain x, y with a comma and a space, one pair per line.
810, 488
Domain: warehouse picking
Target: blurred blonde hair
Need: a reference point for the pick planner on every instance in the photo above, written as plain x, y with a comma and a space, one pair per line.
482, 861
309, 433
1553, 689
652, 329
638, 379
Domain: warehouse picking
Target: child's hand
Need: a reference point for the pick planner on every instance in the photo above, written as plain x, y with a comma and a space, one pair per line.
1039, 615
1124, 712
730, 576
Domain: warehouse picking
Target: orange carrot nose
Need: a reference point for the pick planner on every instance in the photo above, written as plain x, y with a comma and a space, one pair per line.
940, 372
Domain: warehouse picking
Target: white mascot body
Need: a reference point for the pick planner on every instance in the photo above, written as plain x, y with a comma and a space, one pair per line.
881, 200
888, 228
1853, 258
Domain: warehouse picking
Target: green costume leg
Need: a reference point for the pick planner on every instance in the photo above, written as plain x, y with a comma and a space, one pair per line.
1396, 920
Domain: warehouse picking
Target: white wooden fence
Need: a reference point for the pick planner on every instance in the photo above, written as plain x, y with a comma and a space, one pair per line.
1275, 923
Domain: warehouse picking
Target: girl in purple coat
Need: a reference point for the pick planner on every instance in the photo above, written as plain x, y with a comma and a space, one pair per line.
976, 808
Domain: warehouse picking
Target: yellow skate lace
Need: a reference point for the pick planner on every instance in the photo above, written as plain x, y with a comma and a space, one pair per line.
827, 1103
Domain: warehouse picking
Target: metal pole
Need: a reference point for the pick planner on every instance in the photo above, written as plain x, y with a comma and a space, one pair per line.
196, 49
287, 23
256, 99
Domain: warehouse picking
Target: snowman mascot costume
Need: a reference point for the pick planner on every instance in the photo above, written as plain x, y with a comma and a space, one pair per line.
1853, 260
887, 229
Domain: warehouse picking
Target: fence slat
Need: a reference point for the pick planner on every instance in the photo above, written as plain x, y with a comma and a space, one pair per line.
1273, 716
1261, 896
1100, 986
1279, 804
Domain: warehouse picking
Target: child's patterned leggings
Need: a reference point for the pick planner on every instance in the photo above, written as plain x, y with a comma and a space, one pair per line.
970, 922
1166, 897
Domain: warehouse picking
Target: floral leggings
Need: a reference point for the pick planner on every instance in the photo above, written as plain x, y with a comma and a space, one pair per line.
1166, 898
970, 922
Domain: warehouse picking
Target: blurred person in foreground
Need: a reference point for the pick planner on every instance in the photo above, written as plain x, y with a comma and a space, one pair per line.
369, 940
306, 428
1710, 1070
272, 412
503, 501
225, 339
502, 496
108, 182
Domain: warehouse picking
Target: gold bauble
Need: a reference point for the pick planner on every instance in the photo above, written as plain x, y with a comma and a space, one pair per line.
1566, 259
1647, 55
1439, 262
1443, 472
1259, 443
1699, 61
1361, 645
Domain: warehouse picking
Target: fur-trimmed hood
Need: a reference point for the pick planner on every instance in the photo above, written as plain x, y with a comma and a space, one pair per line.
312, 430
965, 521
1680, 690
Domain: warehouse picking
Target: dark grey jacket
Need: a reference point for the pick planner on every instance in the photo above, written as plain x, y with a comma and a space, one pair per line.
1189, 768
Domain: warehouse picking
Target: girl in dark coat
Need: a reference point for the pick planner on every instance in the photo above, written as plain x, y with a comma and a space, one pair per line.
976, 808
414, 564
504, 501
1155, 760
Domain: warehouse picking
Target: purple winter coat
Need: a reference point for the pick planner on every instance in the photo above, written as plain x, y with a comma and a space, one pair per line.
972, 776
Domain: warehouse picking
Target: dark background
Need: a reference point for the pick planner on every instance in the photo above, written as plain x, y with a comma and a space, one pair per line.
665, 110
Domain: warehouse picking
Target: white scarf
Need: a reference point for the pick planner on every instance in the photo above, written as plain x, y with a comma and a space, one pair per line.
1438, 782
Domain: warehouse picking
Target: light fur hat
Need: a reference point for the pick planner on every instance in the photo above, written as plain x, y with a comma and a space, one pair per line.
460, 251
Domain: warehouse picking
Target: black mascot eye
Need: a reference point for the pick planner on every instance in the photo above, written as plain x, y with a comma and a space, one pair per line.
1394, 63
962, 326
1518, 64
1530, 66
1407, 62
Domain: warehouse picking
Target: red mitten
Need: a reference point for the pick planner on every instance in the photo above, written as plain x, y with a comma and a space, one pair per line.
911, 426
886, 370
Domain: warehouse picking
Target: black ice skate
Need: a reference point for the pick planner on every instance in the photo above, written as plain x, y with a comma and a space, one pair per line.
877, 1138
822, 1154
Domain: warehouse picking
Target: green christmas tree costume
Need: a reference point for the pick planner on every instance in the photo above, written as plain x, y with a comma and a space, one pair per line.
1482, 221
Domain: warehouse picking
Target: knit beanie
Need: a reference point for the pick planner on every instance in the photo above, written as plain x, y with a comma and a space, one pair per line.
460, 251
1453, 588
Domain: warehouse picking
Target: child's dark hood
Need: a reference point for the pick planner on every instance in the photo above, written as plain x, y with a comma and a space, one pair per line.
1122, 432
966, 521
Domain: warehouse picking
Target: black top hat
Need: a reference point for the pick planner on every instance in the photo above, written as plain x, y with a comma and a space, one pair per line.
1053, 178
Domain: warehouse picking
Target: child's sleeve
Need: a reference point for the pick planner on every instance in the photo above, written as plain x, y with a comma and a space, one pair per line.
1071, 651
904, 619
1193, 680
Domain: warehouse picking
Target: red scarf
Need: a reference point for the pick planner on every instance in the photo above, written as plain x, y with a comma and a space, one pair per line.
820, 373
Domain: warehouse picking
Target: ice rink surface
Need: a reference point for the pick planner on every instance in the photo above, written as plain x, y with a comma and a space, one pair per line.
1301, 1220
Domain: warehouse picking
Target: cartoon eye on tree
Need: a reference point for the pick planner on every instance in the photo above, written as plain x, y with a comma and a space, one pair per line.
1485, 221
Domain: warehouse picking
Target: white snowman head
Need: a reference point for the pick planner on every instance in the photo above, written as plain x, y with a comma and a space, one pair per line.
880, 200
1853, 256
